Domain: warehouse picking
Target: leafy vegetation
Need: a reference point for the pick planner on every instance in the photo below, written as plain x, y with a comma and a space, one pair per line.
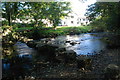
37, 12
51, 32
10, 11
105, 15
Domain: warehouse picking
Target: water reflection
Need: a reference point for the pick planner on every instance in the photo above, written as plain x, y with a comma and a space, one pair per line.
15, 67
88, 47
89, 44
6, 66
19, 64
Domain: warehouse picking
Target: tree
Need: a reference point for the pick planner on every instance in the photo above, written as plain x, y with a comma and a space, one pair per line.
10, 10
58, 10
36, 10
108, 13
52, 11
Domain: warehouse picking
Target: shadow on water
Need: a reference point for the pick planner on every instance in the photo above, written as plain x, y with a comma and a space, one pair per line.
18, 63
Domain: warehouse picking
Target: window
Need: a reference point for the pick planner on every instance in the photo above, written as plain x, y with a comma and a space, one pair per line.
83, 19
77, 22
72, 22
64, 23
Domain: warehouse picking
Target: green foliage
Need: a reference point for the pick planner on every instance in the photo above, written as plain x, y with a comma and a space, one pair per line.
6, 27
36, 11
56, 11
98, 24
5, 22
40, 11
10, 10
108, 13
38, 32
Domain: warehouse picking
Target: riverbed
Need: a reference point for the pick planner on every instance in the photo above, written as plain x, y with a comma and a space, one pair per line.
25, 61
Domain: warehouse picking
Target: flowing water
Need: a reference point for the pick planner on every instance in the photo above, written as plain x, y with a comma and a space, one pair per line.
86, 44
21, 62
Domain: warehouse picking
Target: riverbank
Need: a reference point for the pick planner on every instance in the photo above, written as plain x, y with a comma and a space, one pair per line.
49, 32
70, 72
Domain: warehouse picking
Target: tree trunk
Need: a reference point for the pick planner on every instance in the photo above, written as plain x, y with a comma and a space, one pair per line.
54, 24
9, 19
8, 13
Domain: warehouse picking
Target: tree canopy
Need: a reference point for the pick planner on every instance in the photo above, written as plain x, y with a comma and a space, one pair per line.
108, 13
10, 10
38, 11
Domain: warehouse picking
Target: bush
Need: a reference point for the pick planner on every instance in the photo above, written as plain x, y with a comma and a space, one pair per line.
5, 22
98, 24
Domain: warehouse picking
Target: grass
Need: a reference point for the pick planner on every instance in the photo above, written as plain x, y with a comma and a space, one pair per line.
23, 28
51, 32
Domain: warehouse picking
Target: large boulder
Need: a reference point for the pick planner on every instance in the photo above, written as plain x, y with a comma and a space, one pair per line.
71, 55
72, 42
111, 72
66, 56
34, 43
46, 47
48, 50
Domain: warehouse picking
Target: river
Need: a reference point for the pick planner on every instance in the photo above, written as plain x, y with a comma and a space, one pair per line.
22, 60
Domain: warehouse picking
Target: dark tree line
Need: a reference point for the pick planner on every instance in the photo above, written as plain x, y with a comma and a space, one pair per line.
106, 13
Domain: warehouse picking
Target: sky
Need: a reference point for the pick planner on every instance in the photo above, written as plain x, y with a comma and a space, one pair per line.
80, 7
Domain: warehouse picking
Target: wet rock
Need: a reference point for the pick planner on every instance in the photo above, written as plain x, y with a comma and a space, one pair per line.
74, 42
35, 43
71, 54
45, 40
67, 41
111, 72
31, 44
61, 57
66, 56
48, 49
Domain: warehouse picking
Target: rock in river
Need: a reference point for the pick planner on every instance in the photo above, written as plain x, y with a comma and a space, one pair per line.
31, 44
46, 47
111, 72
66, 56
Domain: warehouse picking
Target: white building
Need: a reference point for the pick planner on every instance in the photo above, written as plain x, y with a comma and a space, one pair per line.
74, 19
